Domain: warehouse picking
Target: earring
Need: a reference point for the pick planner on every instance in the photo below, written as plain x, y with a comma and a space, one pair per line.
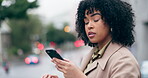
111, 29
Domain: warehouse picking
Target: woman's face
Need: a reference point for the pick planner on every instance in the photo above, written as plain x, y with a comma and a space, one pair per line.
96, 29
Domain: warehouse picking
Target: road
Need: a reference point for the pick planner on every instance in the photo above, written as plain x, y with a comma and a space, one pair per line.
21, 70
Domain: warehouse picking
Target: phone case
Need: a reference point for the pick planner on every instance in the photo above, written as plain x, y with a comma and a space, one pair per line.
53, 54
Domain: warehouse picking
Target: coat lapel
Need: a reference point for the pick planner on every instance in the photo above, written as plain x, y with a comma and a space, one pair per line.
112, 48
91, 67
86, 59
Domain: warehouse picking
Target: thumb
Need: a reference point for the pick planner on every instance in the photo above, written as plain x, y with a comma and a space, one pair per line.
54, 76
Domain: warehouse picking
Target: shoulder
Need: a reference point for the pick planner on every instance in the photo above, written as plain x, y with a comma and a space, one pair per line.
123, 64
123, 54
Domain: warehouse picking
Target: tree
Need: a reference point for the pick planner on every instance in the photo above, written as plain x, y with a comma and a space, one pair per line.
22, 32
21, 29
15, 8
58, 36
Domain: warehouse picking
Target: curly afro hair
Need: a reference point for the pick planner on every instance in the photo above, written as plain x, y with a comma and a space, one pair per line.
117, 14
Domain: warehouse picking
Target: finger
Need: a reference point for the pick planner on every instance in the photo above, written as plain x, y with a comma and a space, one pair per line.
45, 76
60, 69
54, 76
58, 66
42, 76
53, 61
62, 66
57, 61
66, 60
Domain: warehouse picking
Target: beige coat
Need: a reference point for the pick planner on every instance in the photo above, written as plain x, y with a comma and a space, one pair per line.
117, 62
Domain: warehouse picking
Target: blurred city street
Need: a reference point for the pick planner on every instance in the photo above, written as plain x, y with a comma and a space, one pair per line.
29, 26
22, 70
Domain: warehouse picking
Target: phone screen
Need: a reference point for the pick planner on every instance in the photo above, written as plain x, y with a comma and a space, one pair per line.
53, 53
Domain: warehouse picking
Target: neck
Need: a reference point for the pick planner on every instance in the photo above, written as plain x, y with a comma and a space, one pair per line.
102, 44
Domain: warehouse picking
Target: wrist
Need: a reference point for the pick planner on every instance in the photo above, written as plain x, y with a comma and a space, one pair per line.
82, 75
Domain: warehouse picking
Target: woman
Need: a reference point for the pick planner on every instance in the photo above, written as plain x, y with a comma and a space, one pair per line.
107, 26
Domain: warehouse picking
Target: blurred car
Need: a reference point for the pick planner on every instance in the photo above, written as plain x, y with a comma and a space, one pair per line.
144, 69
32, 59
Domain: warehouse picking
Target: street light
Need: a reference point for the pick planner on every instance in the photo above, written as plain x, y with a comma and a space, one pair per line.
67, 29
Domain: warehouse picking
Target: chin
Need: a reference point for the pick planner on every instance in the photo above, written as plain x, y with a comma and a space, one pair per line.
93, 41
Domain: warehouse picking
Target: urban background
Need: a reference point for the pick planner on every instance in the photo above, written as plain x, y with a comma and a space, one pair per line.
28, 27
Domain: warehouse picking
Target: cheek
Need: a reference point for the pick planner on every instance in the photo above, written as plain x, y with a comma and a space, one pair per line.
102, 31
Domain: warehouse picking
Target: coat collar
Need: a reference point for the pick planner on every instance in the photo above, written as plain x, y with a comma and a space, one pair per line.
111, 49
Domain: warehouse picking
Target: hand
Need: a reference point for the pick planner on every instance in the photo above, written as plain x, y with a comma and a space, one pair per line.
49, 76
68, 68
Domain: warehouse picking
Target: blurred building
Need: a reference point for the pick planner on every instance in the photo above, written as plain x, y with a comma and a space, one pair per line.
4, 40
140, 47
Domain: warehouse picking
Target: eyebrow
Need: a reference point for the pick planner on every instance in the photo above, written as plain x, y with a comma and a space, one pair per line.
95, 14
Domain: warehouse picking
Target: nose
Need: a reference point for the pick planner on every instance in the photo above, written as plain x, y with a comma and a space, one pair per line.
90, 25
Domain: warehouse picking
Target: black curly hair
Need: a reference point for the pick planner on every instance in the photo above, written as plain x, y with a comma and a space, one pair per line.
116, 13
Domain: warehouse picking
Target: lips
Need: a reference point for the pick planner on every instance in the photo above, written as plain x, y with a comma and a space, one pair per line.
91, 34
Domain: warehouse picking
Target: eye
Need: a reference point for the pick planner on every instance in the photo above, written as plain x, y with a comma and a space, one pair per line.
86, 23
96, 20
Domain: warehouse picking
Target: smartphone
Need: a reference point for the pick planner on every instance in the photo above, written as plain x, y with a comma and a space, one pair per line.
53, 53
